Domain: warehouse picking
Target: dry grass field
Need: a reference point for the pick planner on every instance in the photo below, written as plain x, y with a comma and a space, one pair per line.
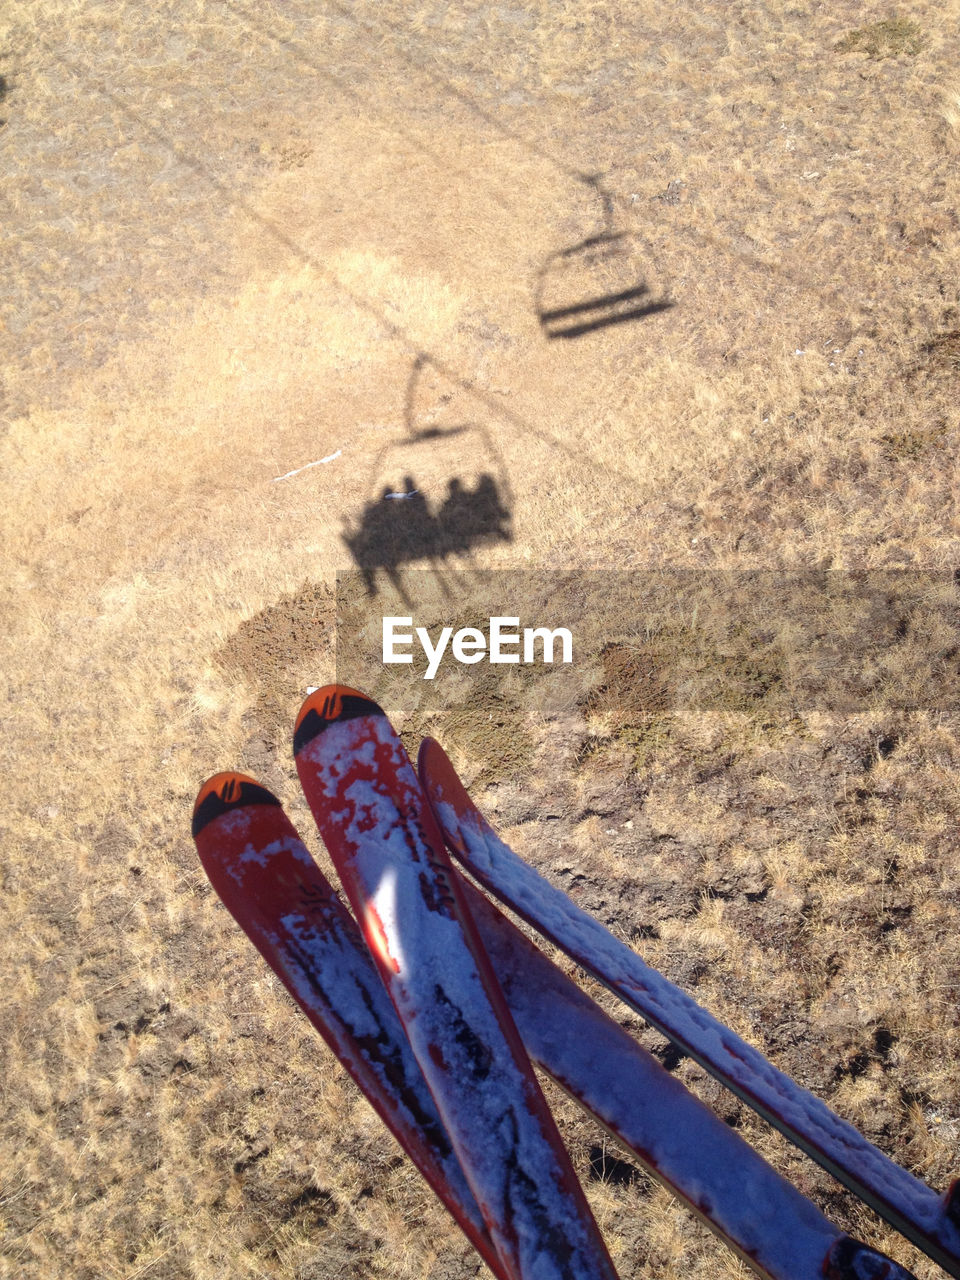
241, 239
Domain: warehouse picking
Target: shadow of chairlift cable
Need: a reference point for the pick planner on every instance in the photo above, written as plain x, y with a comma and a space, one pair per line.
568, 274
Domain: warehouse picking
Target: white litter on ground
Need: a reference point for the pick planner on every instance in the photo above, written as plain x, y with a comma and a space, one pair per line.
319, 463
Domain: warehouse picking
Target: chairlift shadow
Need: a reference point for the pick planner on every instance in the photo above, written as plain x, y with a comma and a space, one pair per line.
413, 434
571, 294
400, 527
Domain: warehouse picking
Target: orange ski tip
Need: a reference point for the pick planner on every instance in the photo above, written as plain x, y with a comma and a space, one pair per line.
327, 706
326, 701
225, 791
226, 786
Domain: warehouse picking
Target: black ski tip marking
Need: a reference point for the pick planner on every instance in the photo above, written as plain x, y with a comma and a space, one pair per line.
226, 791
327, 706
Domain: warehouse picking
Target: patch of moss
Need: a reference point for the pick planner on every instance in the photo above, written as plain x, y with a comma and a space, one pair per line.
886, 39
648, 738
639, 699
746, 682
944, 349
912, 444
488, 730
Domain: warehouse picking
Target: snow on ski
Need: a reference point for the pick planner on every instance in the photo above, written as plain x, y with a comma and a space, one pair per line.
378, 828
270, 884
677, 1138
930, 1221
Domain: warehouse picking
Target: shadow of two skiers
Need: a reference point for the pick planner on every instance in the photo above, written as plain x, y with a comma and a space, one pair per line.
401, 527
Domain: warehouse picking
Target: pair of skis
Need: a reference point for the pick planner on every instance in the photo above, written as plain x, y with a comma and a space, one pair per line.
437, 1008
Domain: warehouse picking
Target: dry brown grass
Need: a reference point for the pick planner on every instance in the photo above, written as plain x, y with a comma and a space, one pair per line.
231, 233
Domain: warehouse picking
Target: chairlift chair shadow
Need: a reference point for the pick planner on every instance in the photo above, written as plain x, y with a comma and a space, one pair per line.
400, 525
592, 284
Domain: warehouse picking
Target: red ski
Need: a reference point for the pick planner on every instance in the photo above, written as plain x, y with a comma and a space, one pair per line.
270, 883
378, 828
272, 887
930, 1221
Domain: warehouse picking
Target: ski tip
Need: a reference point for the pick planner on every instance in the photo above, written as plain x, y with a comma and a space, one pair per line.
226, 791
442, 786
434, 767
848, 1259
327, 706
951, 1202
430, 752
